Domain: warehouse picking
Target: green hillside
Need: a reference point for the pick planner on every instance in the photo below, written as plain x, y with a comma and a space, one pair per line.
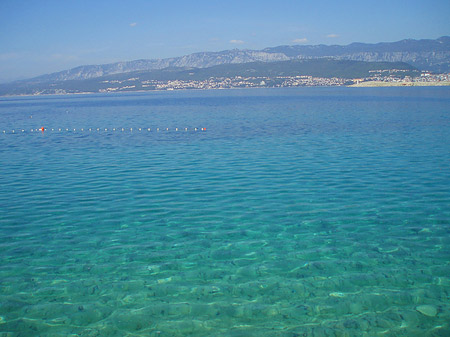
326, 68
273, 74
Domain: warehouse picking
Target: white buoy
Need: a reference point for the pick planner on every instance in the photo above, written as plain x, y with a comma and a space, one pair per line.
148, 129
140, 129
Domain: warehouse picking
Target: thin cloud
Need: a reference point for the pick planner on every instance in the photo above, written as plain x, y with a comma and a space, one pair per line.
302, 40
237, 41
133, 24
9, 56
332, 36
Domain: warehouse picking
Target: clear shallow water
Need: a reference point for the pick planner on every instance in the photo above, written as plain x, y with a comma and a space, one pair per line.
305, 212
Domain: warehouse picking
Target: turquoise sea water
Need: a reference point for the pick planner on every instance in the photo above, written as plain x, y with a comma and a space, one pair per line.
298, 212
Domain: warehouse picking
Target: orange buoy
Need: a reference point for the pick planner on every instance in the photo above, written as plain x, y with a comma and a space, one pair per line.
42, 129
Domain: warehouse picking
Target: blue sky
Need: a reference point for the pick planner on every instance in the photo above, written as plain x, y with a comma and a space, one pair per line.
43, 36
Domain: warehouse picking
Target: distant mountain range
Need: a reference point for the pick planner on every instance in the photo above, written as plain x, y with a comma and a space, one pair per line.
429, 55
299, 72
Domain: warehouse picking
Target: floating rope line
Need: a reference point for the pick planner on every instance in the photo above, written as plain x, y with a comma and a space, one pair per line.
58, 130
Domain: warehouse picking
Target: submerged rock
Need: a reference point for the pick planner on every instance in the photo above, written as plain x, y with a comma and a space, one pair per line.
427, 310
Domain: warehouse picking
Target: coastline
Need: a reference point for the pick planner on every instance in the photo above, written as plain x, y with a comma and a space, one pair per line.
372, 84
368, 84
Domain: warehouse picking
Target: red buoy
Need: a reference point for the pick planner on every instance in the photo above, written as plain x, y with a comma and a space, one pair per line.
42, 129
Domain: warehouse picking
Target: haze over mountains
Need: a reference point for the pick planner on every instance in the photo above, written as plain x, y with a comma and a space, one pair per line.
431, 55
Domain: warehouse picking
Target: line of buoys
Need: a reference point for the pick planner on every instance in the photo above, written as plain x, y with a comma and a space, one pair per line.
44, 129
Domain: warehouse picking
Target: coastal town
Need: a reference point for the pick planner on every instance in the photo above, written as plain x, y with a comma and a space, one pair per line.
380, 78
223, 83
376, 78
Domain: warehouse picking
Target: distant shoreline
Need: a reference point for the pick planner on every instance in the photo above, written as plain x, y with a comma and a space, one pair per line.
368, 84
373, 84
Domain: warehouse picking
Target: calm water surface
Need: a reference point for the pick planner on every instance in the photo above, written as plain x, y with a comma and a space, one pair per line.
298, 212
